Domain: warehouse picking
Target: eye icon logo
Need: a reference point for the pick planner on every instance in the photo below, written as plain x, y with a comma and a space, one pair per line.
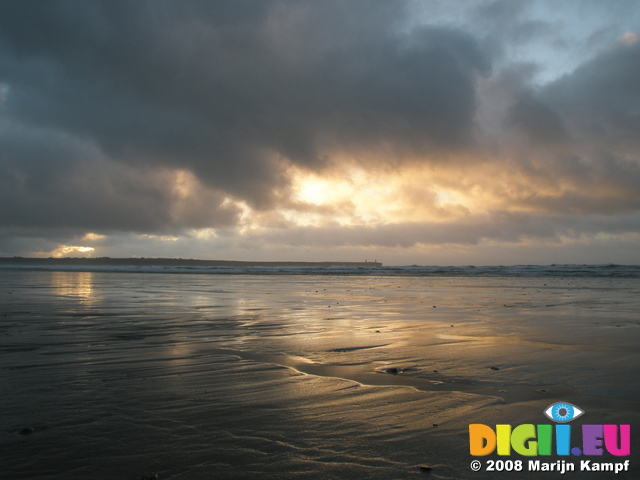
563, 412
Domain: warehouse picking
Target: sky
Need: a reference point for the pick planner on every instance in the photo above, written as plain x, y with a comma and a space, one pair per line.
409, 132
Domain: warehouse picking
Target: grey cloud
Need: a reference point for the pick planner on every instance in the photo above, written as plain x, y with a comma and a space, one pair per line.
505, 25
502, 12
52, 180
537, 120
602, 97
226, 89
496, 226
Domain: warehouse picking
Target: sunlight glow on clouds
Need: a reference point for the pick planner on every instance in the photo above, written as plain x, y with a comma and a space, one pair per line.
71, 251
353, 196
93, 236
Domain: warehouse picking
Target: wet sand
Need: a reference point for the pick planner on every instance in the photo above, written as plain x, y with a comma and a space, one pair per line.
127, 375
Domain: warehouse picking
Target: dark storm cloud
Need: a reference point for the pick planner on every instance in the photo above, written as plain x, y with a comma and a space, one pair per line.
537, 120
54, 181
229, 89
602, 97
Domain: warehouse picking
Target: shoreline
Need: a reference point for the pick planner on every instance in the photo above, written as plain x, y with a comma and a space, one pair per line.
167, 262
334, 268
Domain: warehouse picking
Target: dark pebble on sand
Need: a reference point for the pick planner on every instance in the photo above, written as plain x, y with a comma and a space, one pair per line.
26, 431
424, 468
494, 368
435, 371
392, 371
542, 390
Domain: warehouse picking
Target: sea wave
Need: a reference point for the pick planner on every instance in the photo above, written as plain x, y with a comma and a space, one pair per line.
556, 270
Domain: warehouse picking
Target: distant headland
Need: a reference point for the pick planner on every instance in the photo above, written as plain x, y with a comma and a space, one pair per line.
165, 262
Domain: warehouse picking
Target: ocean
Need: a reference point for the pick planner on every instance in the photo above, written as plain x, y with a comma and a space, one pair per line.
337, 269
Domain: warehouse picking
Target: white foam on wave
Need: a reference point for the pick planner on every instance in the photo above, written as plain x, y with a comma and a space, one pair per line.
564, 270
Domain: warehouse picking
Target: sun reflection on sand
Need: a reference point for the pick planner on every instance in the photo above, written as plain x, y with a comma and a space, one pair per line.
74, 284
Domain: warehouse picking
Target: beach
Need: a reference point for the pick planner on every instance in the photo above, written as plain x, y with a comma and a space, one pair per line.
131, 375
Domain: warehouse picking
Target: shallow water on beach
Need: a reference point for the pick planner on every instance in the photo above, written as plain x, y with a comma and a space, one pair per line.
121, 375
